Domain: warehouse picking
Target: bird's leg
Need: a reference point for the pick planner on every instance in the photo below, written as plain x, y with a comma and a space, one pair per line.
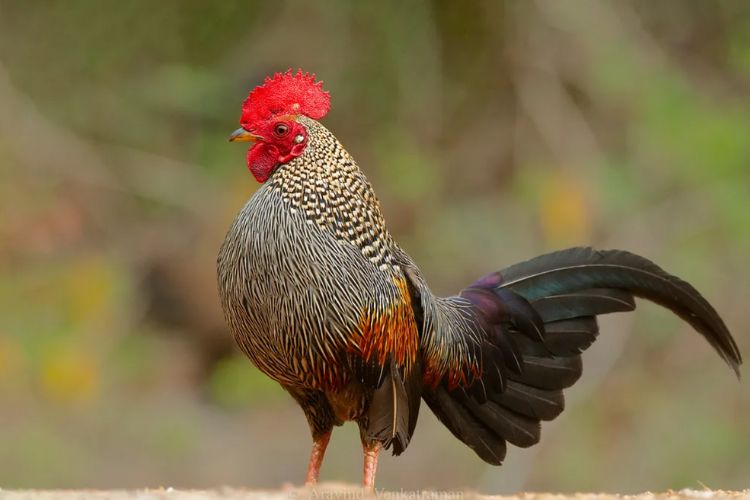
320, 444
371, 451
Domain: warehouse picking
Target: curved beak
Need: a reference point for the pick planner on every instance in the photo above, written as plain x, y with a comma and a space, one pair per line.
242, 135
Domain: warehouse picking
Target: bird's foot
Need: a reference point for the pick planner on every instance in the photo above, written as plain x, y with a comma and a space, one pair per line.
316, 458
371, 451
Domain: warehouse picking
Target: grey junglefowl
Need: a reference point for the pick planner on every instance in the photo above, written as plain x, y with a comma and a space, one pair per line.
322, 299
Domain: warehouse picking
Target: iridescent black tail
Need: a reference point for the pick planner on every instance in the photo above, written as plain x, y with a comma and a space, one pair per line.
538, 316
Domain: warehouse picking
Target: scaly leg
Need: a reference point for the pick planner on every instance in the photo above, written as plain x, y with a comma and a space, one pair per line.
316, 458
371, 451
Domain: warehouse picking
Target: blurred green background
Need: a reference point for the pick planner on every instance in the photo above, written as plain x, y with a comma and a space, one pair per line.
492, 132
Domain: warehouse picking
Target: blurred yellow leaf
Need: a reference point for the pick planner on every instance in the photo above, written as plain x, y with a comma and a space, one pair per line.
563, 211
90, 287
70, 376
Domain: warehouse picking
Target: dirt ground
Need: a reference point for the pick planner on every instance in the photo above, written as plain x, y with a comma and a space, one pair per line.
335, 491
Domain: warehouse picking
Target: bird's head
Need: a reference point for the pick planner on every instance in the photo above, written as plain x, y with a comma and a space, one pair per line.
269, 120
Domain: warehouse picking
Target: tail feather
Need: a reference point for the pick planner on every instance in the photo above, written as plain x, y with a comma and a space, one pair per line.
532, 322
514, 427
549, 372
589, 302
535, 403
465, 426
579, 269
568, 337
510, 354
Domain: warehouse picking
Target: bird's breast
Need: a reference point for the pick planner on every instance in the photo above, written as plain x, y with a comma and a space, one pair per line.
295, 294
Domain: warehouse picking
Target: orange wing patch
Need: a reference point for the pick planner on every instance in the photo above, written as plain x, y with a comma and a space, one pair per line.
391, 331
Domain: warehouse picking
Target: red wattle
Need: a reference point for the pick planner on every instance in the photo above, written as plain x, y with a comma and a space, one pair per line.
262, 159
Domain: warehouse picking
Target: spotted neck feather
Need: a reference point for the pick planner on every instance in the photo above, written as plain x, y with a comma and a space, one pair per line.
329, 189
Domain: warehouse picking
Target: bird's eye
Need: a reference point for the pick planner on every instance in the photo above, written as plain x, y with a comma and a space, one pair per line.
280, 129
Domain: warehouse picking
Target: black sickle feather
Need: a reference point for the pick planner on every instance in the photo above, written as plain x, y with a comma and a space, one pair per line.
549, 372
578, 269
465, 426
515, 428
569, 337
532, 402
590, 302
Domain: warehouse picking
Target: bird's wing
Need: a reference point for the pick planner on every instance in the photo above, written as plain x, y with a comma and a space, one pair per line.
388, 361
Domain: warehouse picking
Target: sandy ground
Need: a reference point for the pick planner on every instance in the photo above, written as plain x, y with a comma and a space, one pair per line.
335, 491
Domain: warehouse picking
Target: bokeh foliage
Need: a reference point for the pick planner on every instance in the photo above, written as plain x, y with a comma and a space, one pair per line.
491, 130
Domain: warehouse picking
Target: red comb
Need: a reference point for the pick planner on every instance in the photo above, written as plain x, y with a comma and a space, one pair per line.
285, 94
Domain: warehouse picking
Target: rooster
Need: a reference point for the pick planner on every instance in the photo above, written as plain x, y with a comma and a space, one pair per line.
321, 298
